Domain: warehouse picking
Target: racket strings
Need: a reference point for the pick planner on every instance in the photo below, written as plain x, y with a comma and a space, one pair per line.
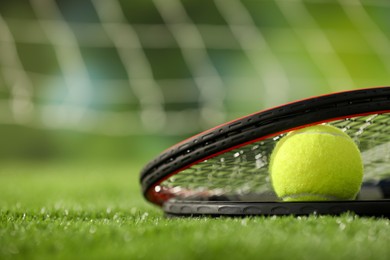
372, 134
242, 173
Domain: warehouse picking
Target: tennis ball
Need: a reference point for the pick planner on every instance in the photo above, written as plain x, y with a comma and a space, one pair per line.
317, 163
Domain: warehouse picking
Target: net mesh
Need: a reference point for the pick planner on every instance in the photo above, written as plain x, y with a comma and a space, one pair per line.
177, 67
242, 174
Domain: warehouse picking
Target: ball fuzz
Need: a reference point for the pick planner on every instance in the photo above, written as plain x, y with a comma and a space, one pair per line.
317, 163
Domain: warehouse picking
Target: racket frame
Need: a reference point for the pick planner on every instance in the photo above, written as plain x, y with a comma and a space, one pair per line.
256, 127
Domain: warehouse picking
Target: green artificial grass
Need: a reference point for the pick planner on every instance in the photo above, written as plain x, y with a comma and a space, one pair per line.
96, 211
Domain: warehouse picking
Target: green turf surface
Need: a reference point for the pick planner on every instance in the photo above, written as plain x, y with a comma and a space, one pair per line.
95, 211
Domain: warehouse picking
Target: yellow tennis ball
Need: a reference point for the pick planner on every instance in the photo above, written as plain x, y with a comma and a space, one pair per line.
317, 163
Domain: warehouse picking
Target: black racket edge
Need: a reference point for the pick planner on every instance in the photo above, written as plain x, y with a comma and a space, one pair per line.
280, 111
369, 208
272, 121
242, 122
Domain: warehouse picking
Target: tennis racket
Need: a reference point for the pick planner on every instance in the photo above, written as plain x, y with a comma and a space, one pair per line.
224, 171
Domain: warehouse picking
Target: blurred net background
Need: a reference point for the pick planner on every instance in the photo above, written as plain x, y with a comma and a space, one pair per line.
126, 79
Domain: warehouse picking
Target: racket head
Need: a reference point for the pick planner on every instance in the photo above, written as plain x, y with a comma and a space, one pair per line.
229, 163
